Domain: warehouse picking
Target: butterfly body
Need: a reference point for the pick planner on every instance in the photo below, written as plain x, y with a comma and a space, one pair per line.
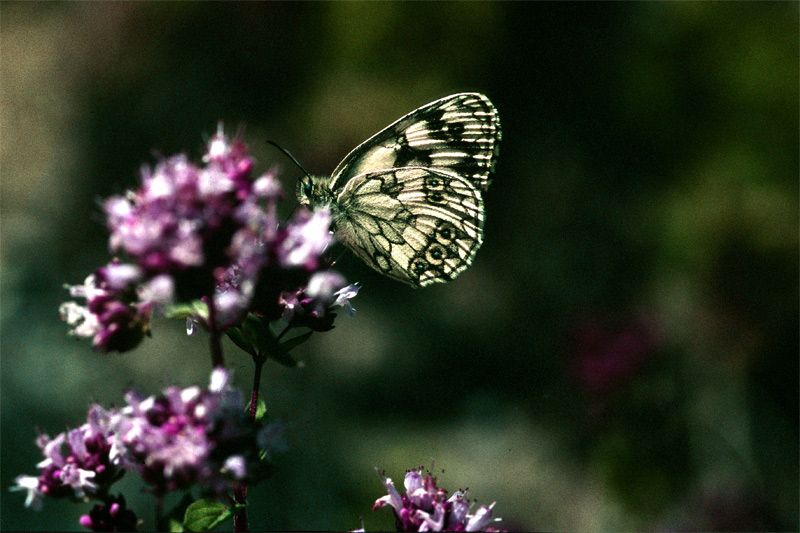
408, 201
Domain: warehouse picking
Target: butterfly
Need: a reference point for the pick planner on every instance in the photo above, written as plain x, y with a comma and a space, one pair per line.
409, 200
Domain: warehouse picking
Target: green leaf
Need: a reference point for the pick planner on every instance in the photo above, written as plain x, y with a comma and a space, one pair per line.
174, 517
255, 337
238, 338
204, 515
295, 341
186, 310
259, 330
278, 354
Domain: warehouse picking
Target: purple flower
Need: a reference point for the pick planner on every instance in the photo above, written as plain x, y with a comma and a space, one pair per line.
114, 317
190, 436
251, 250
343, 296
305, 240
182, 219
80, 463
175, 440
312, 307
272, 263
113, 515
208, 232
426, 507
295, 252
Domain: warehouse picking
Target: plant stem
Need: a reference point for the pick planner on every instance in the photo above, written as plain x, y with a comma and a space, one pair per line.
160, 525
217, 360
240, 496
259, 362
216, 342
240, 518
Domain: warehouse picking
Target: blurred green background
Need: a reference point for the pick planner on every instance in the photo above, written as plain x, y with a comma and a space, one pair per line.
622, 355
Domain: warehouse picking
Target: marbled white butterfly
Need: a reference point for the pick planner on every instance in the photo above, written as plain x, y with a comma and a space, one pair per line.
408, 201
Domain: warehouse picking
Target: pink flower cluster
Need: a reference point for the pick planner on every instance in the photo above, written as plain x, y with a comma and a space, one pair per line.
207, 231
426, 507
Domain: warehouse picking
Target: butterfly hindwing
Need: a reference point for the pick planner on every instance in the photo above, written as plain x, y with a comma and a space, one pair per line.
459, 134
416, 225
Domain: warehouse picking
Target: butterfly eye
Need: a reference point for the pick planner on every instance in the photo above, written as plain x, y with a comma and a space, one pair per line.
308, 189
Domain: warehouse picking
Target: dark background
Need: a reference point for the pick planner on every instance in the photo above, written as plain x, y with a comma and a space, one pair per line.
623, 353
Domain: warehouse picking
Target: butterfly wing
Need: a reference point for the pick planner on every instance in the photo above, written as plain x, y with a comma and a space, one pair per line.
413, 224
458, 134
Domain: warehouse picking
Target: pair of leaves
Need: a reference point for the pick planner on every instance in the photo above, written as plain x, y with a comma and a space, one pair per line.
255, 337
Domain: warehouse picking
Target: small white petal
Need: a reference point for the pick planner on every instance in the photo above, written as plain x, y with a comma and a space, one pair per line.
220, 377
30, 484
236, 466
480, 518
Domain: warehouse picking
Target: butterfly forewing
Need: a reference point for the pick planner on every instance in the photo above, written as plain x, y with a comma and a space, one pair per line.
457, 134
416, 225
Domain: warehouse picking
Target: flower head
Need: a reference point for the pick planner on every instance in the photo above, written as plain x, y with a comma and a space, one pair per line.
182, 219
189, 436
426, 507
79, 463
114, 317
312, 306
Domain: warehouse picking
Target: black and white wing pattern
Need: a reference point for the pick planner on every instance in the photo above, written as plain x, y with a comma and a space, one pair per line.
408, 201
414, 224
459, 134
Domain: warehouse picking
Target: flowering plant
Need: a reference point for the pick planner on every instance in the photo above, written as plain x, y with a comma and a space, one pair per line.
426, 507
204, 244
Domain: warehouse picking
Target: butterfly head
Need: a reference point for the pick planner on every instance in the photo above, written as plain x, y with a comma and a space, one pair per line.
314, 192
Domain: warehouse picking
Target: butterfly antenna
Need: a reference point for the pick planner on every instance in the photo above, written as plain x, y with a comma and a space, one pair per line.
292, 211
296, 162
290, 156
